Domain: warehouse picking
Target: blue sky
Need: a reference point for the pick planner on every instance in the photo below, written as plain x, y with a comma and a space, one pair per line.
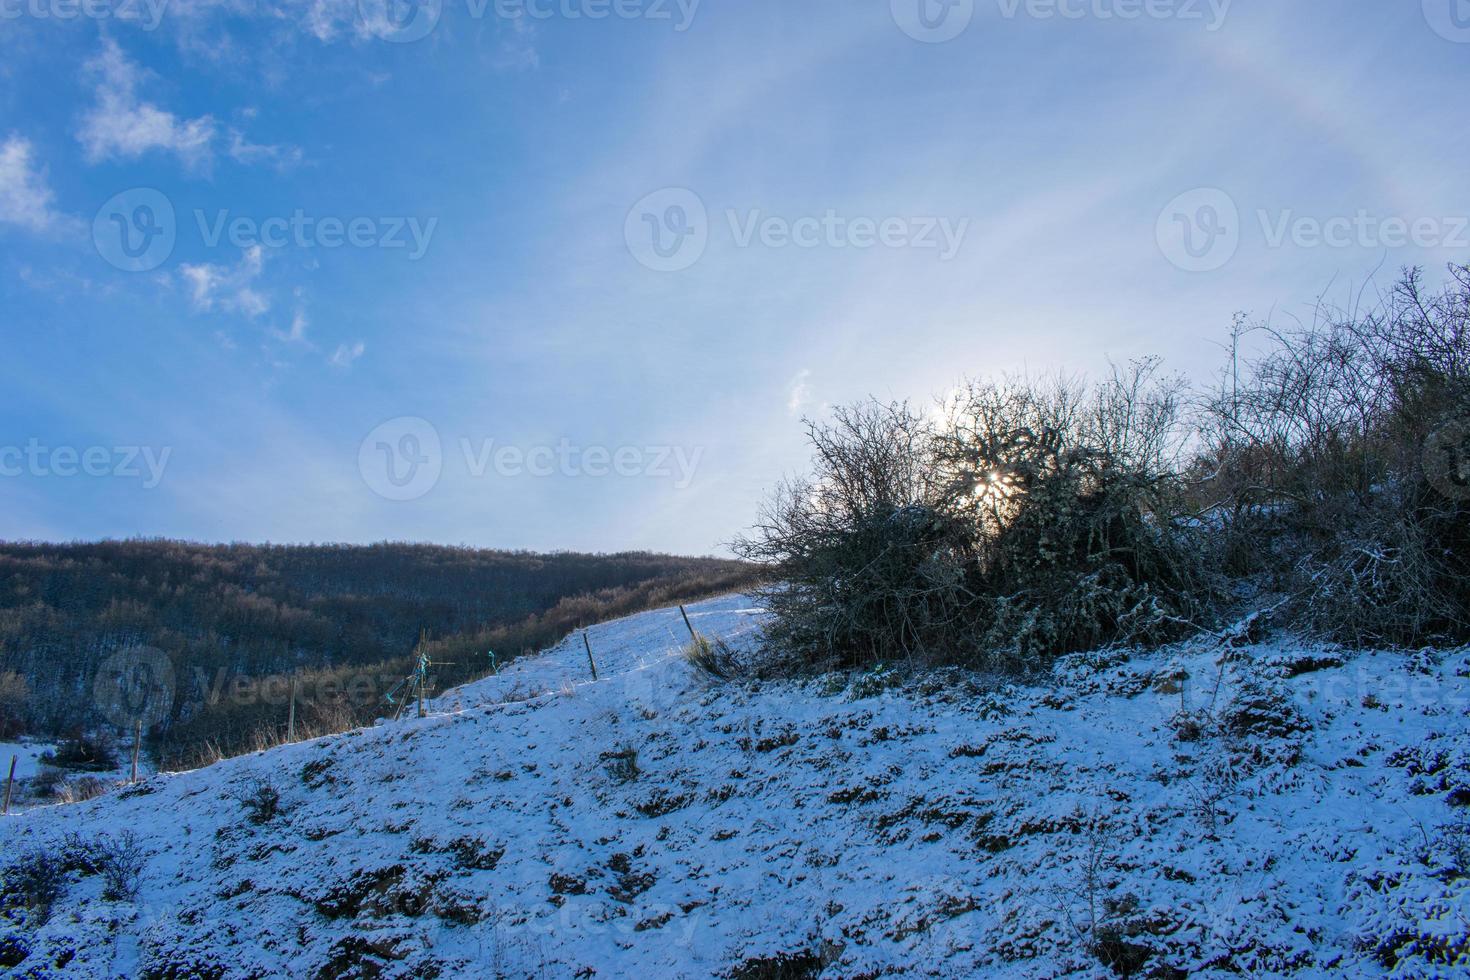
409, 286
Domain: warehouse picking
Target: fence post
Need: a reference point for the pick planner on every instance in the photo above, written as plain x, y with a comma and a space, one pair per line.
291, 713
10, 781
692, 635
137, 740
590, 662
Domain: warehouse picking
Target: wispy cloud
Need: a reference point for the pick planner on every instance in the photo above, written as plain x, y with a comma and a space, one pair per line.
282, 157
121, 125
25, 197
346, 354
517, 48
228, 288
295, 335
799, 393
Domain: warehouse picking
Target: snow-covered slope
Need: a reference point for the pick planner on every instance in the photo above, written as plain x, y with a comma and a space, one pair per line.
658, 823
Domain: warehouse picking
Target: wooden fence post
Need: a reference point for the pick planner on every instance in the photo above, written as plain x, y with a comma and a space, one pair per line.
10, 781
291, 713
692, 635
590, 662
137, 741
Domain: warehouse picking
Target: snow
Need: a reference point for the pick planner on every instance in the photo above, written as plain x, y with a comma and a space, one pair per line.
26, 754
879, 824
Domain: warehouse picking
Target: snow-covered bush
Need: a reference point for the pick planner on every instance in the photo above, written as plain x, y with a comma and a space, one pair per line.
1338, 461
119, 860
261, 800
1019, 521
32, 882
714, 658
92, 752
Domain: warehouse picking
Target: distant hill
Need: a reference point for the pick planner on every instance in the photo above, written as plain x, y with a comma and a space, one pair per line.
221, 612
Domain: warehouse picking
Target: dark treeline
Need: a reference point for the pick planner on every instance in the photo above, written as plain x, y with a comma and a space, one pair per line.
233, 615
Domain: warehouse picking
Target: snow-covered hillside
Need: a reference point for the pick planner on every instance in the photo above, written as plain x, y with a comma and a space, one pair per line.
1219, 808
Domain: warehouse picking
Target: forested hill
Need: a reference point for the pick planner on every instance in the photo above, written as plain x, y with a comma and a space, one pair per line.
255, 610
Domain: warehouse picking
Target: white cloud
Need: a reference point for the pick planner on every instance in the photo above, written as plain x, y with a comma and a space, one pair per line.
228, 289
345, 354
282, 157
297, 333
25, 198
124, 126
799, 393
517, 52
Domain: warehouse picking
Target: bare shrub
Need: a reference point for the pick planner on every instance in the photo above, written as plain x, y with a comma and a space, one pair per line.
1020, 521
33, 882
261, 800
119, 860
79, 790
1322, 463
90, 751
622, 764
714, 658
